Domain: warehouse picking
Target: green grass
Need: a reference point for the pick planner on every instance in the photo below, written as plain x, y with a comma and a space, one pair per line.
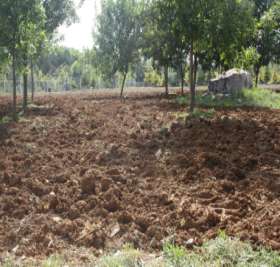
54, 261
220, 252
246, 98
5, 119
128, 257
202, 114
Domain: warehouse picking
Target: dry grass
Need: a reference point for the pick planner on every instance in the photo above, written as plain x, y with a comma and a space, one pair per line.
220, 252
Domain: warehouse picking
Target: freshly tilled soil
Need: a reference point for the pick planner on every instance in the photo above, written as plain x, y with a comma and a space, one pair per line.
91, 171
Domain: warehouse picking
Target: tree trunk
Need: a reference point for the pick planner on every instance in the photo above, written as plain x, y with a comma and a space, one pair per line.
14, 87
166, 79
32, 80
182, 78
257, 72
123, 83
195, 71
25, 80
192, 82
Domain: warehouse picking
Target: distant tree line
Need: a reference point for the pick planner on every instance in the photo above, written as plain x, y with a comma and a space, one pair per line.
159, 42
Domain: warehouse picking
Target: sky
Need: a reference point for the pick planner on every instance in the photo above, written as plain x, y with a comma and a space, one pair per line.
79, 35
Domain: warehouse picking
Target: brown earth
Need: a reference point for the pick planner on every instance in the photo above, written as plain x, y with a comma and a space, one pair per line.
89, 171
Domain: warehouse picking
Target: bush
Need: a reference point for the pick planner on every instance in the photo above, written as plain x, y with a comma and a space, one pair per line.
153, 78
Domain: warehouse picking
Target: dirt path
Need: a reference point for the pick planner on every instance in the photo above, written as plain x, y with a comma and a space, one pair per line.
87, 171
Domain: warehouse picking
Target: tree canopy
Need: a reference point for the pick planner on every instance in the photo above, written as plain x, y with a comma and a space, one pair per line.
118, 36
24, 26
185, 37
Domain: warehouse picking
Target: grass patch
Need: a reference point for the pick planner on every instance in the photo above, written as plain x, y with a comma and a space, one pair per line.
198, 113
220, 252
202, 114
246, 98
54, 261
5, 120
128, 257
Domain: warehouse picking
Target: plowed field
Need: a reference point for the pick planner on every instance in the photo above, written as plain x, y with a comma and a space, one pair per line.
85, 170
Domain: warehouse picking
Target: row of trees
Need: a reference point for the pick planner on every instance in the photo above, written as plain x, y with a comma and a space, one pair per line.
193, 35
61, 68
211, 34
26, 27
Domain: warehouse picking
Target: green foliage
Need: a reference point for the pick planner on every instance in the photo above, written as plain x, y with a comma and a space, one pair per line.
152, 77
66, 65
275, 76
128, 257
118, 36
57, 13
175, 255
267, 36
246, 98
262, 6
54, 261
5, 119
8, 263
220, 252
202, 114
201, 77
205, 23
22, 27
247, 58
267, 75
236, 26
4, 58
160, 40
56, 57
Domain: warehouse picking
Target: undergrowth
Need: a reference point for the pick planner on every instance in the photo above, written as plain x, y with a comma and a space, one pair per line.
5, 119
246, 98
220, 252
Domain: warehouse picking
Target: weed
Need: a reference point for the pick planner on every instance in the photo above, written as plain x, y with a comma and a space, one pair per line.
220, 252
5, 119
54, 261
175, 255
246, 98
128, 257
202, 114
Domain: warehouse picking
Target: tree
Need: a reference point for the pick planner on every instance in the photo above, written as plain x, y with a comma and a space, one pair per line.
57, 13
159, 39
192, 20
267, 37
118, 36
4, 57
33, 37
261, 6
19, 21
229, 39
205, 26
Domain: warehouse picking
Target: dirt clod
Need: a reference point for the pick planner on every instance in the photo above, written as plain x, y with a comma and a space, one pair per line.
88, 185
125, 218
